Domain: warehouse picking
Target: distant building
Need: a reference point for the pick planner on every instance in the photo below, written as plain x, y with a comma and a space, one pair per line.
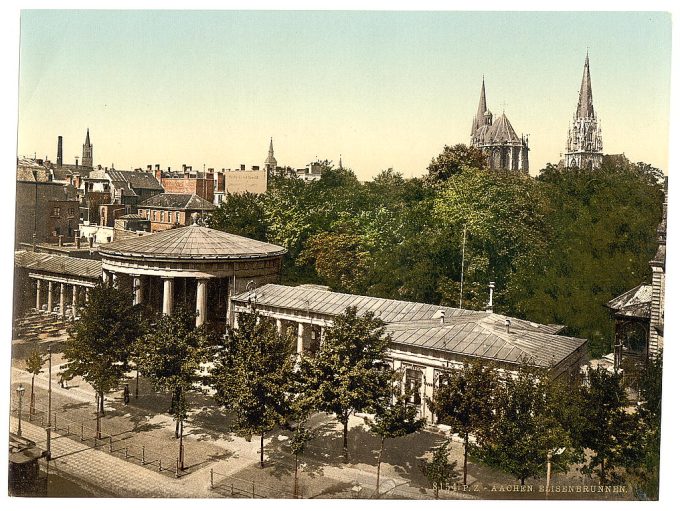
498, 139
131, 187
584, 142
168, 210
87, 151
186, 181
132, 222
311, 172
270, 164
43, 207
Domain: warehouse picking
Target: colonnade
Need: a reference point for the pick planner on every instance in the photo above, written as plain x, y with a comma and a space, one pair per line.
78, 292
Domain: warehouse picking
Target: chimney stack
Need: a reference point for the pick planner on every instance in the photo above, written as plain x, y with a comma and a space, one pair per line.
489, 306
507, 325
60, 151
61, 240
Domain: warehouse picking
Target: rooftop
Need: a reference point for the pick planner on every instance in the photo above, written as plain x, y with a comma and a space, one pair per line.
178, 201
470, 333
63, 265
192, 242
634, 303
135, 178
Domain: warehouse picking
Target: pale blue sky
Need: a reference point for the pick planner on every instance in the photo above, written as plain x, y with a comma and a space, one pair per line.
384, 89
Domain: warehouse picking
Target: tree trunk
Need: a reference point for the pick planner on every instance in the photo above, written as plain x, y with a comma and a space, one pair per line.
31, 409
261, 450
181, 445
98, 432
602, 478
377, 481
177, 410
101, 403
345, 451
465, 457
295, 478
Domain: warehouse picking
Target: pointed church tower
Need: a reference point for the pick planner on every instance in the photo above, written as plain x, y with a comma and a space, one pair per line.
87, 151
270, 161
584, 142
483, 117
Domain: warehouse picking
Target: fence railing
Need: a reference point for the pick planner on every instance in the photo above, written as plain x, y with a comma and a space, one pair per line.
238, 487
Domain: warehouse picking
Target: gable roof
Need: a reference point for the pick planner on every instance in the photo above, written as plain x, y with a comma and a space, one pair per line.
634, 303
178, 201
135, 178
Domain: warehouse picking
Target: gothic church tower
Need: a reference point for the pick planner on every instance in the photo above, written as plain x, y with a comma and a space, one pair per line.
584, 143
270, 162
87, 151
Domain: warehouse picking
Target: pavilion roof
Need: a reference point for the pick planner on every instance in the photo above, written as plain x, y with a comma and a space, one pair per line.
192, 242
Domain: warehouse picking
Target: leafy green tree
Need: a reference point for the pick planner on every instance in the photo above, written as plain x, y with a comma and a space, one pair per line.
646, 475
464, 401
99, 345
526, 429
34, 367
602, 236
170, 356
301, 435
504, 215
242, 214
453, 159
348, 372
394, 417
440, 472
608, 430
252, 376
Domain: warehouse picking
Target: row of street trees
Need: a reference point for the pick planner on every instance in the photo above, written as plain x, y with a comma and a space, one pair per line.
520, 423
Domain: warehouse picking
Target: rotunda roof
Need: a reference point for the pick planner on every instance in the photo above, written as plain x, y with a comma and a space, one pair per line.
192, 242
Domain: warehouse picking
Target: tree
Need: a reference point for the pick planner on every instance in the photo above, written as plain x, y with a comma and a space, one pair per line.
242, 214
608, 430
394, 417
526, 432
99, 344
34, 367
646, 475
252, 376
170, 355
301, 435
453, 159
348, 372
464, 401
440, 472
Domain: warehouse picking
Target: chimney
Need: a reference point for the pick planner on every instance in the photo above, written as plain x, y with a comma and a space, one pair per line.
90, 241
184, 167
148, 168
243, 166
440, 314
157, 173
489, 306
507, 325
76, 161
60, 152
61, 240
77, 239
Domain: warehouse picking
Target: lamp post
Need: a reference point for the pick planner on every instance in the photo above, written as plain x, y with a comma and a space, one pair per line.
20, 393
48, 430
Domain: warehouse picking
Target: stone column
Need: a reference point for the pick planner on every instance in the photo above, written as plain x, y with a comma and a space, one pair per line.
62, 300
106, 277
137, 289
38, 285
114, 280
49, 296
201, 300
236, 316
300, 338
168, 294
279, 326
87, 295
74, 302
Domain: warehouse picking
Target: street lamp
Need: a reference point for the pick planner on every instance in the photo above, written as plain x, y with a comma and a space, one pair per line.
20, 393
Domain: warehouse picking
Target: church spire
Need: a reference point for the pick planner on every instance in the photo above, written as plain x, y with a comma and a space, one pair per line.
87, 151
270, 163
87, 137
482, 112
585, 108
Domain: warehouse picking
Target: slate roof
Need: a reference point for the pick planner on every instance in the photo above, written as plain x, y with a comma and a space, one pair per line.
136, 179
635, 303
177, 201
192, 242
59, 264
501, 131
464, 332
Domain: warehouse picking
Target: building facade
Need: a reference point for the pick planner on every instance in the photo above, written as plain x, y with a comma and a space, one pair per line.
168, 210
498, 139
584, 142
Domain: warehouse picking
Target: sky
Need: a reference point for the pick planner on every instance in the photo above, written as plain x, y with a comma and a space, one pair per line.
382, 89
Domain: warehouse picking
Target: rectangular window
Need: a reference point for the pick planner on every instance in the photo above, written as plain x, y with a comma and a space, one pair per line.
56, 211
177, 217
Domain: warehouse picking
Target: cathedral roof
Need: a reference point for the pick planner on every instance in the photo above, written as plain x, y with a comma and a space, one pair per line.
501, 132
481, 111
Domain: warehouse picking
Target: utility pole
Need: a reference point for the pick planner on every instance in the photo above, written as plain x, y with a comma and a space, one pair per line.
49, 404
